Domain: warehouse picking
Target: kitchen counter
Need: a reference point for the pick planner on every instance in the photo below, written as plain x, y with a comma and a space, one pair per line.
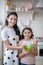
39, 40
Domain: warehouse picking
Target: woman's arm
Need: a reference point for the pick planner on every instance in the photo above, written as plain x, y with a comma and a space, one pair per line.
7, 44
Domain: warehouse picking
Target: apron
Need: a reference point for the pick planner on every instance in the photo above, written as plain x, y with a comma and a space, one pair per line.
11, 56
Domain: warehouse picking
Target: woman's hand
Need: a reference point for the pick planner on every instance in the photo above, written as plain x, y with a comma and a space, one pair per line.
19, 47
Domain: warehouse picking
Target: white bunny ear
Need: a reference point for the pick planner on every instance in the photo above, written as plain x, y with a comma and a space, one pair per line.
26, 24
29, 25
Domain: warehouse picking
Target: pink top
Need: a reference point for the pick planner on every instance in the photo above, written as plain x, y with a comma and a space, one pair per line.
29, 59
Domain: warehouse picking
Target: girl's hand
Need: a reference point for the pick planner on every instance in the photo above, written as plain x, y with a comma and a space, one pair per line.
27, 52
23, 54
35, 50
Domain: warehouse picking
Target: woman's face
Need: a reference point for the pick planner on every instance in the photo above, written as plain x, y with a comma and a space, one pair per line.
27, 34
12, 20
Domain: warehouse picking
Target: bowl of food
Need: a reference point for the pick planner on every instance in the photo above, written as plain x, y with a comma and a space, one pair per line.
29, 47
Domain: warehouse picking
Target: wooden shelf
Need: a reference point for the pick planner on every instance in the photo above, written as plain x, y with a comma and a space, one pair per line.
31, 11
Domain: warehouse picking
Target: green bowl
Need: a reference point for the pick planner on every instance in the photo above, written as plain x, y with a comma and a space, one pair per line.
29, 48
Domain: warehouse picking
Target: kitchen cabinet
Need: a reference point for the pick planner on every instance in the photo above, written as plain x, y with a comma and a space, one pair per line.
18, 5
39, 57
39, 62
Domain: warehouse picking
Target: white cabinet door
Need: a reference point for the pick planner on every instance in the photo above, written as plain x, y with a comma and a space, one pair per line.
39, 62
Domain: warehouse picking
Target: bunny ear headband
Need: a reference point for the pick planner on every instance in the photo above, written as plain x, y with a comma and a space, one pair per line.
26, 23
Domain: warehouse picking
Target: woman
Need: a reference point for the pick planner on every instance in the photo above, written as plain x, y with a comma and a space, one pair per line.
9, 35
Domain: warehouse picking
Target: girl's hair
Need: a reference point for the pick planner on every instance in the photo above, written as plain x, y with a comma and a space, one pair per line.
15, 26
22, 36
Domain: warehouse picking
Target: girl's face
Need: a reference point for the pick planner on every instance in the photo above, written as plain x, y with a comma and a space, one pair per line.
12, 20
27, 34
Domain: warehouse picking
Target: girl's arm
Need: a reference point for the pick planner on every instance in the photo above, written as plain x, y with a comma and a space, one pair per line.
23, 54
7, 44
35, 51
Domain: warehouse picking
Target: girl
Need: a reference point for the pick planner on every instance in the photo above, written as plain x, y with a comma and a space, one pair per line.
27, 57
9, 37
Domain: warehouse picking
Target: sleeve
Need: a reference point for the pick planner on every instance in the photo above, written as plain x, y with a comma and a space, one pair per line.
4, 35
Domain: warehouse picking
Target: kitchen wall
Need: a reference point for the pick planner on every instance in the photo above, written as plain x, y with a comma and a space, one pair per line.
0, 48
2, 10
0, 35
36, 22
2, 19
24, 19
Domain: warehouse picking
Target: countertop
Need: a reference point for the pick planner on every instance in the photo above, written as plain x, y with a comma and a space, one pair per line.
39, 40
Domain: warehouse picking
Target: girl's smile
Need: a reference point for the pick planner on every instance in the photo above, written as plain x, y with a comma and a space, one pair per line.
27, 34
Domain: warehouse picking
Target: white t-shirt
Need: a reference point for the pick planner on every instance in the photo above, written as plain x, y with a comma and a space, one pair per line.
30, 58
5, 33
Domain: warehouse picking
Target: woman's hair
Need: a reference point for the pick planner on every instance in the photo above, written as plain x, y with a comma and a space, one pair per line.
11, 13
15, 26
22, 36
